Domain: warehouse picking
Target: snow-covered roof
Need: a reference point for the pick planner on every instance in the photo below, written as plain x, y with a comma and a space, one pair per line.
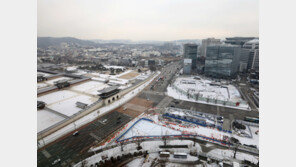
253, 41
108, 89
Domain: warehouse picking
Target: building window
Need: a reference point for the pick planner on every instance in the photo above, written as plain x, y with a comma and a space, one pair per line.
113, 98
108, 101
117, 97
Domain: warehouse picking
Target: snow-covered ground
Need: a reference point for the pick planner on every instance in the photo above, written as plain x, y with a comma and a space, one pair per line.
228, 154
136, 162
153, 149
41, 85
45, 74
90, 117
80, 72
114, 67
151, 146
64, 101
119, 81
160, 127
144, 75
51, 82
68, 106
46, 119
125, 72
146, 128
56, 96
206, 89
91, 87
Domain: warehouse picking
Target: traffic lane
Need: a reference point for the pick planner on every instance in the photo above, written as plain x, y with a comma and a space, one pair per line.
71, 148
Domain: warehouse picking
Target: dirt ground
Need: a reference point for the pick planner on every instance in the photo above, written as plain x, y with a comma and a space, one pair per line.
135, 107
129, 75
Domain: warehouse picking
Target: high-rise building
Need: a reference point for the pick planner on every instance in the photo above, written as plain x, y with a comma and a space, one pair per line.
253, 59
244, 59
222, 61
190, 52
208, 42
187, 66
238, 40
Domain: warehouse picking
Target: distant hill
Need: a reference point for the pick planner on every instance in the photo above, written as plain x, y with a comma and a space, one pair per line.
119, 41
44, 42
182, 41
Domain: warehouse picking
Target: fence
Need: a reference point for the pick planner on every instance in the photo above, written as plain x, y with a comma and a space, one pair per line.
248, 123
195, 122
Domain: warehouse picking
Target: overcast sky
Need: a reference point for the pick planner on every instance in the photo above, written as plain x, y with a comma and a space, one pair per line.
147, 19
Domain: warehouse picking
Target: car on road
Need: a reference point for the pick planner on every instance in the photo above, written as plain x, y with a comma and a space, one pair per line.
76, 133
56, 161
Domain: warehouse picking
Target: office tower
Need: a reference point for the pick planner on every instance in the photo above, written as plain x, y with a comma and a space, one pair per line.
208, 42
187, 66
222, 61
190, 52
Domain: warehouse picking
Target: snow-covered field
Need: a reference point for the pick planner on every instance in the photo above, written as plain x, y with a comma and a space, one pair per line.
160, 127
80, 72
41, 85
91, 87
68, 106
206, 89
146, 128
125, 72
143, 76
51, 82
56, 96
43, 73
114, 67
64, 101
46, 119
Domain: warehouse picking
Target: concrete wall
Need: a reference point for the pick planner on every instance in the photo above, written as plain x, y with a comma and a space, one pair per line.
71, 120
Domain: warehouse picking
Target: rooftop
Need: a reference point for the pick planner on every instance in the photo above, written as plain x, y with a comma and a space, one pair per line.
109, 89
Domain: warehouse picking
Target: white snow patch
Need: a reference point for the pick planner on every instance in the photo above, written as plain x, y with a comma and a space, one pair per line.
46, 119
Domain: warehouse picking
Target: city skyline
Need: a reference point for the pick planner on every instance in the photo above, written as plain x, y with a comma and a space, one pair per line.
141, 20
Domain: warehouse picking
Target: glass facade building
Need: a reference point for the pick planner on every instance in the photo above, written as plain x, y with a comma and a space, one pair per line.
190, 52
222, 61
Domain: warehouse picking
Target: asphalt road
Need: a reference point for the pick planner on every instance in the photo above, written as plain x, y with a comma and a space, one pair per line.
71, 148
167, 73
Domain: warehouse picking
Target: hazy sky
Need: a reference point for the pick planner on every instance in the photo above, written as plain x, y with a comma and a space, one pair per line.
147, 19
